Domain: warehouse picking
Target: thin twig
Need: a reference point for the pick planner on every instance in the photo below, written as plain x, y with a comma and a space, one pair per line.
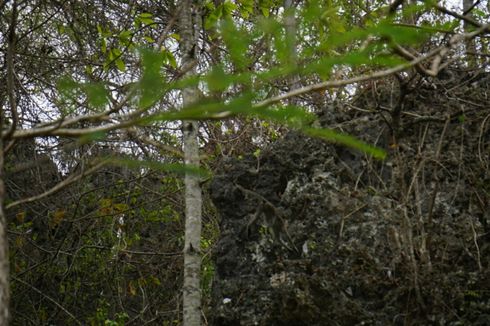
132, 252
342, 221
59, 186
47, 297
456, 15
131, 119
438, 54
480, 136
475, 241
467, 11
164, 33
166, 148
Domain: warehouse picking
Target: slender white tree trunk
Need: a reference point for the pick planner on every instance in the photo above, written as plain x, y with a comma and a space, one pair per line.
189, 29
290, 27
471, 43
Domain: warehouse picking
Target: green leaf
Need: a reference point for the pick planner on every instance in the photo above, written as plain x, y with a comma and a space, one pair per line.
103, 45
265, 11
204, 109
147, 21
146, 18
116, 53
400, 34
121, 66
228, 7
96, 94
121, 207
339, 39
159, 166
347, 140
269, 26
125, 36
104, 33
149, 39
92, 137
218, 80
111, 55
335, 22
61, 28
246, 8
322, 67
387, 60
175, 36
212, 19
290, 115
67, 87
479, 13
169, 58
236, 42
266, 6
69, 91
151, 84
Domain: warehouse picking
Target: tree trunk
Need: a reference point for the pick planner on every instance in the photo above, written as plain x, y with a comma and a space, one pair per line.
4, 254
189, 29
290, 27
470, 43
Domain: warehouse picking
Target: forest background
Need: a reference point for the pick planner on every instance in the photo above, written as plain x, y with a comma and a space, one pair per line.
116, 114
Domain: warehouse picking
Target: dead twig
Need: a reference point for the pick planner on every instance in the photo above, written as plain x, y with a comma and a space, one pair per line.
56, 303
59, 186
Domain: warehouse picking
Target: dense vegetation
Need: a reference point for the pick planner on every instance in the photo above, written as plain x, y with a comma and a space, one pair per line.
92, 161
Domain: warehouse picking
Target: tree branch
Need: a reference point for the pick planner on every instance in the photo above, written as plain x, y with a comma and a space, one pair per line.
48, 298
68, 181
467, 19
166, 148
438, 54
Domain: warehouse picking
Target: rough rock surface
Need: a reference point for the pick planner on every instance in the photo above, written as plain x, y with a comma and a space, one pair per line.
314, 233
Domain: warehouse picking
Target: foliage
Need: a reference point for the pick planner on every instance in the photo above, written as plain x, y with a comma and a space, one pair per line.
99, 80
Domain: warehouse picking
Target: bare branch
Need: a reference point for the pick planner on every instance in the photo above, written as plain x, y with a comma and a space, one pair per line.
71, 132
467, 19
47, 297
340, 83
438, 54
59, 186
167, 29
133, 134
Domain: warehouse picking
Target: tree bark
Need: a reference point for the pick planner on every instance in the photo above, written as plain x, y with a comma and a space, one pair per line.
470, 43
189, 29
4, 253
290, 27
